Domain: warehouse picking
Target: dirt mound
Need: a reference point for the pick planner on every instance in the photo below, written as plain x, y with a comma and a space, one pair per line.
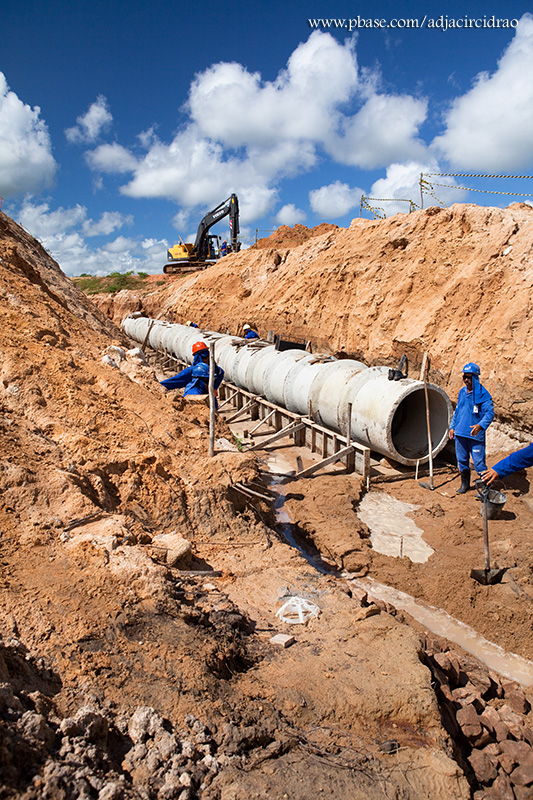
286, 236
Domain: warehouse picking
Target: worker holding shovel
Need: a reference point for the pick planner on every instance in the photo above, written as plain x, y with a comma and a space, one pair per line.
472, 417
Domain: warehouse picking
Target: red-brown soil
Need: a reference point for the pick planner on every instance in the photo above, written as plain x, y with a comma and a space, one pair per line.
98, 462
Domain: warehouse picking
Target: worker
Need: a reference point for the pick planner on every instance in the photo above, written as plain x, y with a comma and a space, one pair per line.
224, 248
249, 332
195, 379
472, 417
521, 459
191, 324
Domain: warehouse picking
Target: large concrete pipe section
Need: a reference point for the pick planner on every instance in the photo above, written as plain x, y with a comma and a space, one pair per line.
387, 416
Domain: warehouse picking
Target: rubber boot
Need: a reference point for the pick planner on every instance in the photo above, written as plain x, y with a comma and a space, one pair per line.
465, 482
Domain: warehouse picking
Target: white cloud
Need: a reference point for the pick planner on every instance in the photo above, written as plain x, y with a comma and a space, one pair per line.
245, 134
43, 223
491, 127
120, 245
26, 161
384, 129
335, 200
290, 215
111, 158
109, 222
300, 104
63, 231
91, 124
402, 183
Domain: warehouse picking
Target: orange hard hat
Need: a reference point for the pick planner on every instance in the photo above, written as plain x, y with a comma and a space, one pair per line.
197, 346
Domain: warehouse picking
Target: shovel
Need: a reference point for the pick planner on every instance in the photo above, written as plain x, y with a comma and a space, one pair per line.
424, 375
486, 576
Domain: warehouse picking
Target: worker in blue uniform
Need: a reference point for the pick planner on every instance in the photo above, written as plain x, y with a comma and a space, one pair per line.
195, 379
249, 332
473, 414
190, 324
522, 459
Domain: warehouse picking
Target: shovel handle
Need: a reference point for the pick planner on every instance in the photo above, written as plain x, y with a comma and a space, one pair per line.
486, 536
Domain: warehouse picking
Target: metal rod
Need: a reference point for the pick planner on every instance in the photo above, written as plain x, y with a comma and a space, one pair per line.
212, 399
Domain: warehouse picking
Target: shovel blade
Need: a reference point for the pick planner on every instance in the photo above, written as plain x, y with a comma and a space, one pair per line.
425, 485
487, 576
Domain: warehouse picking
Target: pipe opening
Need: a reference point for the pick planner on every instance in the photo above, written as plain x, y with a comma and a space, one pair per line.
409, 424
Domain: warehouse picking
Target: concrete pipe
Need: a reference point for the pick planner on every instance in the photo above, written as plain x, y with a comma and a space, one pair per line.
387, 416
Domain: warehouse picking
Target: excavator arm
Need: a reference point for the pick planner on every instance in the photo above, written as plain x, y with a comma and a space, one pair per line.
229, 207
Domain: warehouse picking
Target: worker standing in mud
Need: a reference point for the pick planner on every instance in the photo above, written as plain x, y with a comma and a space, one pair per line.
473, 414
195, 379
249, 332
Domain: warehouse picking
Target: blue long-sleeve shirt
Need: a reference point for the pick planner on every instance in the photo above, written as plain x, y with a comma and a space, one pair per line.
516, 461
194, 379
251, 335
473, 408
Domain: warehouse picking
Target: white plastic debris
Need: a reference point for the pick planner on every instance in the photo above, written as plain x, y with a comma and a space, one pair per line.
297, 610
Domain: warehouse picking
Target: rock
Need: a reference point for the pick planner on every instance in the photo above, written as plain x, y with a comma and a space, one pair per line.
35, 728
512, 753
366, 612
484, 765
468, 695
516, 698
145, 723
282, 640
469, 722
523, 774
502, 786
490, 718
178, 549
513, 721
113, 790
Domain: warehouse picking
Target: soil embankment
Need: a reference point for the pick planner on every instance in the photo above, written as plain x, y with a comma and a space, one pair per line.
124, 673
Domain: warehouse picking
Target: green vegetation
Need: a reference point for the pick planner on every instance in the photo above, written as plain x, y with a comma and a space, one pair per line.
113, 282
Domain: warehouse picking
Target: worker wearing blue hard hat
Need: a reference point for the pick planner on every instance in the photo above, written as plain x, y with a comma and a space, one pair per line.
473, 414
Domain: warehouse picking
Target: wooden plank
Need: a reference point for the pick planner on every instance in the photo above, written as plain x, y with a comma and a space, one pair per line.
340, 454
288, 430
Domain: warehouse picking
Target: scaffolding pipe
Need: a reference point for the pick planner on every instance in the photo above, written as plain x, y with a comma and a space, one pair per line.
387, 416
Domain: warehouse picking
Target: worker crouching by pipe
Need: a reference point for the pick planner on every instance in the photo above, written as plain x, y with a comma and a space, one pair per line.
195, 379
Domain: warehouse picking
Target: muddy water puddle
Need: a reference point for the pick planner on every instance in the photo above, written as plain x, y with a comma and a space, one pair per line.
391, 531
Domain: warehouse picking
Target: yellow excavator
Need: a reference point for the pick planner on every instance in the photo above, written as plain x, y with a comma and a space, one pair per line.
206, 250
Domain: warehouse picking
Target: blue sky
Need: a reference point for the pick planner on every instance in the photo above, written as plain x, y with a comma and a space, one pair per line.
121, 124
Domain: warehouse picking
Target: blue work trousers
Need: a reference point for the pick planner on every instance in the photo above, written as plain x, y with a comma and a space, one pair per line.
466, 447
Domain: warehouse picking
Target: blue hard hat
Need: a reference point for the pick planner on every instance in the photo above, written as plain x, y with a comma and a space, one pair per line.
471, 369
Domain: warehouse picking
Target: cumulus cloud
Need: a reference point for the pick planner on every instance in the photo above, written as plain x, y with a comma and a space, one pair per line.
63, 232
300, 104
26, 161
384, 129
91, 124
111, 158
402, 183
109, 222
290, 215
334, 200
245, 134
491, 127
